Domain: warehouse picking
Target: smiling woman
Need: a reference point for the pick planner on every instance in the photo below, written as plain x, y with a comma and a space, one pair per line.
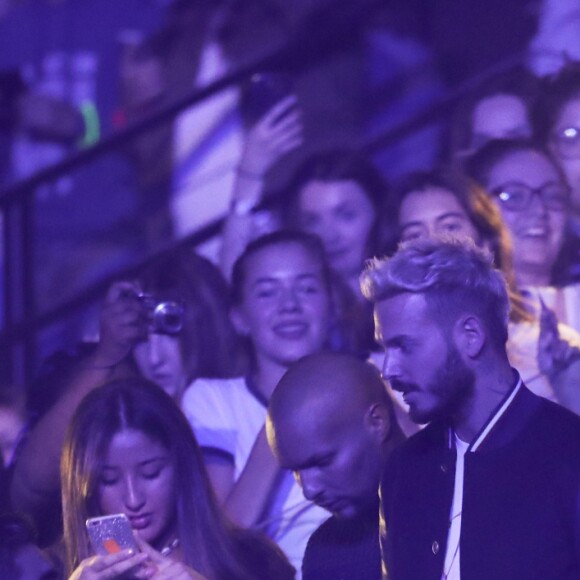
282, 305
529, 188
130, 450
339, 196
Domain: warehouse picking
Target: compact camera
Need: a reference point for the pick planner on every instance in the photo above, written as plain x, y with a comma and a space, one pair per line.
164, 316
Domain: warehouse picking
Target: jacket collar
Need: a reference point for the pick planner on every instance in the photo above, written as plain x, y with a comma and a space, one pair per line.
494, 422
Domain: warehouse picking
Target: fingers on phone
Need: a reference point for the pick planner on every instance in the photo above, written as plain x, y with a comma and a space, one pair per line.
287, 134
284, 111
289, 124
119, 562
281, 107
145, 548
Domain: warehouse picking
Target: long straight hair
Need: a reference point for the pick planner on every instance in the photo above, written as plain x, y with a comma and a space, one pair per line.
208, 542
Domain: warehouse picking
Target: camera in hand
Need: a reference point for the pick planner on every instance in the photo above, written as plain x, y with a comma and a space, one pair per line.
165, 317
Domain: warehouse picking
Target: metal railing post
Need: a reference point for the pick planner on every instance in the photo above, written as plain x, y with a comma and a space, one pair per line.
19, 303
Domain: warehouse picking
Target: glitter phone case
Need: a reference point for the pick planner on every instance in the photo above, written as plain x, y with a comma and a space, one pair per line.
110, 534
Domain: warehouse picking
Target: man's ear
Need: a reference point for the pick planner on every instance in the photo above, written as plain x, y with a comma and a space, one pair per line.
378, 421
469, 335
239, 321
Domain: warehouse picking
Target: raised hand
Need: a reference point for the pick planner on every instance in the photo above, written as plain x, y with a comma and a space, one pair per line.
278, 132
123, 323
554, 353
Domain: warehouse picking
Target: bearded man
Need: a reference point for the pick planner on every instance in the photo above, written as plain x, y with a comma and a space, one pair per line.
490, 488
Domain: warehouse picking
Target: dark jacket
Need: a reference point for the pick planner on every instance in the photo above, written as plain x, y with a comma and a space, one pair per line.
521, 509
345, 549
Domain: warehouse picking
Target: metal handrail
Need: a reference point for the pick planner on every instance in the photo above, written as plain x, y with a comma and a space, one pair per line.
391, 135
331, 26
29, 322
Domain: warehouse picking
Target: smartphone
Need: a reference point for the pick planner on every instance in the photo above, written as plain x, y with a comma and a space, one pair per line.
111, 534
262, 91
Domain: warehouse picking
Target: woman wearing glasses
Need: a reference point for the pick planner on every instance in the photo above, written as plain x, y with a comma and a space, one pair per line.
532, 194
559, 126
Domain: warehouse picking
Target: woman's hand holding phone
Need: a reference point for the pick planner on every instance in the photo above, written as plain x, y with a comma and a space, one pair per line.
108, 566
163, 568
276, 133
146, 564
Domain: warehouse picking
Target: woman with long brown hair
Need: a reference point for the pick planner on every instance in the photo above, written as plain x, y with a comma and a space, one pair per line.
130, 450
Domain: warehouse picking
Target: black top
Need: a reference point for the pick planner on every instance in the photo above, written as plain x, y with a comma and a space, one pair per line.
344, 549
521, 499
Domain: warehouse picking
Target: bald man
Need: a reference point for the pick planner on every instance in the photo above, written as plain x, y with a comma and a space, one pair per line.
331, 422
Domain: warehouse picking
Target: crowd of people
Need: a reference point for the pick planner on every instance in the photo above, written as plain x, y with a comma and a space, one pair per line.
366, 378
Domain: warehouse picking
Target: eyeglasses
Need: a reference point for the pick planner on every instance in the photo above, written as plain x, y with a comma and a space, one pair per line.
567, 142
516, 196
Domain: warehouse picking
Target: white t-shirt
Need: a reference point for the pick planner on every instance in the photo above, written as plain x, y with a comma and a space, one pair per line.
451, 566
227, 417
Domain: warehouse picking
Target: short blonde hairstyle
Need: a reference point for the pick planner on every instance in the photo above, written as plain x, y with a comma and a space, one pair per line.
455, 276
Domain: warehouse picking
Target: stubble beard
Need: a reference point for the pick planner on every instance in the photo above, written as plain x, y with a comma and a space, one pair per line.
453, 384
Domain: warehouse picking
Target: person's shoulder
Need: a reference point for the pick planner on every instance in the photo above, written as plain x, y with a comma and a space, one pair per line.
432, 436
322, 550
562, 420
554, 439
553, 430
212, 401
262, 557
323, 531
425, 442
215, 388
336, 531
218, 384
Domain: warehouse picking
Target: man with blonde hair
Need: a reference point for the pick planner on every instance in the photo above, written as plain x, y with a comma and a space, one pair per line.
490, 488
